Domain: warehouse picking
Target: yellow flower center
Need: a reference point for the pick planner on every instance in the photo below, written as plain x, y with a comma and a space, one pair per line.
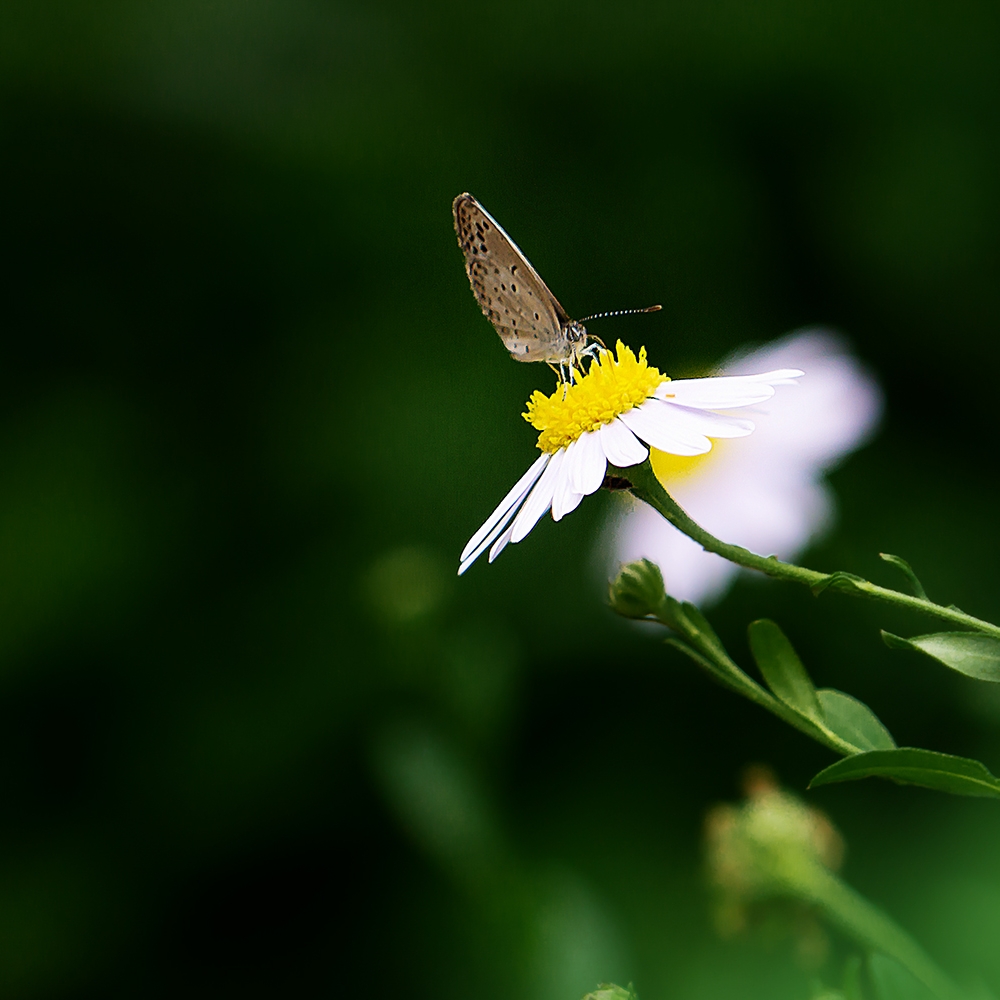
611, 386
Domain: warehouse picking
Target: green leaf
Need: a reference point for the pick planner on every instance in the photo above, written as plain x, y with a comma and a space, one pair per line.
892, 981
911, 766
723, 670
854, 721
782, 669
907, 570
839, 581
696, 621
969, 653
690, 651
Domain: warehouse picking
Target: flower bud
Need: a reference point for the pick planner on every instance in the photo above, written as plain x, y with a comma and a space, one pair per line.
637, 591
766, 858
771, 843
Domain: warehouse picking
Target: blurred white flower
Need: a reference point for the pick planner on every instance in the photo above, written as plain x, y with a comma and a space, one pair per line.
768, 493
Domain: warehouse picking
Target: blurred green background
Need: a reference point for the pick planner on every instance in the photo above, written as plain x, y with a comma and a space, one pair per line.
255, 738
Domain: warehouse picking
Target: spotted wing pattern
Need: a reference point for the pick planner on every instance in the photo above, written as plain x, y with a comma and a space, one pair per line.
531, 322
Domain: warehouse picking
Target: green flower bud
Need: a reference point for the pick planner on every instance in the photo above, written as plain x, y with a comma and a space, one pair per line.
770, 844
769, 860
637, 591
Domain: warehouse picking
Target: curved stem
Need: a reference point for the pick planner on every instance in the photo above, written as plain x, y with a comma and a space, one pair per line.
648, 488
871, 927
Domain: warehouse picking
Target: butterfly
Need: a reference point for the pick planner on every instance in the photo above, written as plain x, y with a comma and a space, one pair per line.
532, 324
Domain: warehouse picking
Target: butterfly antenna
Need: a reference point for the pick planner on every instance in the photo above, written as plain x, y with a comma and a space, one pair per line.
621, 312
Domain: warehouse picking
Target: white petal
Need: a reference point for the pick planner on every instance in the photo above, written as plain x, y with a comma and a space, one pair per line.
509, 503
727, 391
586, 464
501, 544
572, 501
620, 445
660, 425
564, 497
561, 493
485, 543
713, 425
539, 499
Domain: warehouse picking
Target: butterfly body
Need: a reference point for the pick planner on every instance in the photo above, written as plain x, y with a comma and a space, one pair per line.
528, 317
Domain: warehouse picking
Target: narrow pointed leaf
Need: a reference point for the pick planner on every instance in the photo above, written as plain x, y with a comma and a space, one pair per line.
697, 621
722, 669
907, 570
852, 979
969, 653
910, 766
782, 668
688, 650
840, 580
893, 981
854, 721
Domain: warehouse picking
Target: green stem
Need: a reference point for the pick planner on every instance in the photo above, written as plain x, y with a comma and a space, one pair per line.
717, 663
647, 487
871, 927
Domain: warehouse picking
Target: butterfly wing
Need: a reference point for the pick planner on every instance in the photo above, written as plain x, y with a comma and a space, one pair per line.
509, 290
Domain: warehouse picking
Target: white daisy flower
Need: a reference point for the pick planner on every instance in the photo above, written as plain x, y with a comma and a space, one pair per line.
767, 495
611, 414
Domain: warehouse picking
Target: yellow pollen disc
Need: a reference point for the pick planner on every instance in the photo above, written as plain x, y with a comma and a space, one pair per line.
610, 387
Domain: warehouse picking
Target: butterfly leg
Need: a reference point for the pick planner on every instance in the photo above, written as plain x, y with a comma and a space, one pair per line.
594, 349
590, 351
